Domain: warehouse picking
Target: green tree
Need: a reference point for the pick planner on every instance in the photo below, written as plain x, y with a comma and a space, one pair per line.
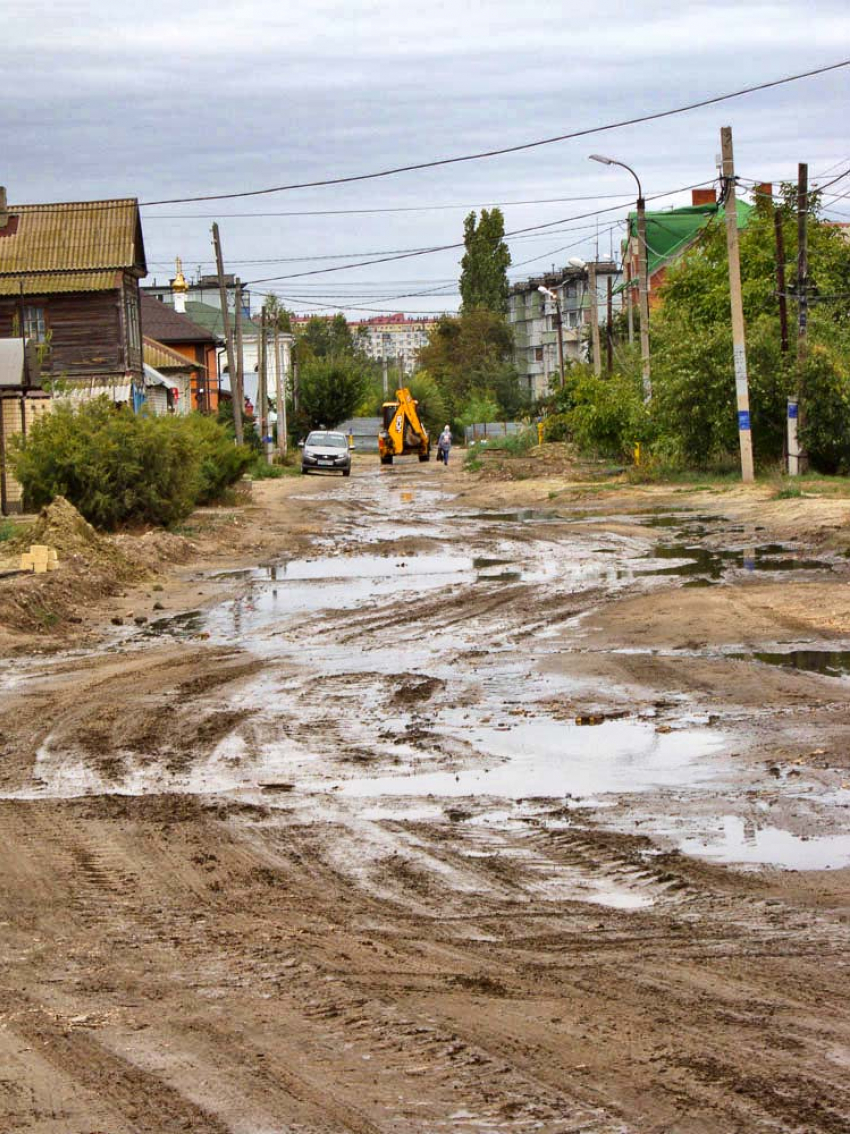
331, 389
484, 268
470, 352
325, 338
693, 373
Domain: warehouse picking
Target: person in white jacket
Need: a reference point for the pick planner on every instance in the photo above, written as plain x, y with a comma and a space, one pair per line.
444, 444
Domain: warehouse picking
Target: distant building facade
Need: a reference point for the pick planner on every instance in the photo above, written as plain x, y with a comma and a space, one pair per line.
396, 338
534, 321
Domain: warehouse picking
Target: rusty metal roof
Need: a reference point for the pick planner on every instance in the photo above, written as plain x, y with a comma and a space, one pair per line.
73, 237
49, 283
164, 358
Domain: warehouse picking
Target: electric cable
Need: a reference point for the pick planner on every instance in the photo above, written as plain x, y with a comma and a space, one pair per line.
637, 120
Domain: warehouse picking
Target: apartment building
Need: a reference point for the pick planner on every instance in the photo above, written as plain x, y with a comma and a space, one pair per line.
534, 320
395, 338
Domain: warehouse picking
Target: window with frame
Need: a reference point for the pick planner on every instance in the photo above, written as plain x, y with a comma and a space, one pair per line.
35, 323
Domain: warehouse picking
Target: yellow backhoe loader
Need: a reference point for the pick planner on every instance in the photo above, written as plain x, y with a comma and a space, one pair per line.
403, 432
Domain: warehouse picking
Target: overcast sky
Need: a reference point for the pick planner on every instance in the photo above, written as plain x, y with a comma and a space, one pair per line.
160, 100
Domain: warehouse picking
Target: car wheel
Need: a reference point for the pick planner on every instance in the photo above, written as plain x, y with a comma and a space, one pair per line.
387, 460
346, 472
304, 471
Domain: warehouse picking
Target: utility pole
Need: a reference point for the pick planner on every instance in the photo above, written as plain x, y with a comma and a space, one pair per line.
594, 318
280, 393
239, 392
780, 279
739, 347
643, 299
610, 326
802, 299
228, 337
629, 304
262, 392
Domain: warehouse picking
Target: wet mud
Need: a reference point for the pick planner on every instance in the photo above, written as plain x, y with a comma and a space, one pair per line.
442, 818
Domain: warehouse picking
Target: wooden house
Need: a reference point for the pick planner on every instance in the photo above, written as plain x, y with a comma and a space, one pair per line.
69, 281
196, 345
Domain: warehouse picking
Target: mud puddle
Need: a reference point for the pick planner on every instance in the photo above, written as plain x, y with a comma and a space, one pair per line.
545, 758
742, 841
695, 560
831, 663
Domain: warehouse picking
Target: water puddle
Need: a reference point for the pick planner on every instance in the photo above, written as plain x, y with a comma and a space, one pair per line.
832, 663
691, 559
187, 624
545, 758
742, 841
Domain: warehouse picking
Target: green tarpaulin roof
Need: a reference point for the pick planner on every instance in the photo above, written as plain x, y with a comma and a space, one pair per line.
669, 233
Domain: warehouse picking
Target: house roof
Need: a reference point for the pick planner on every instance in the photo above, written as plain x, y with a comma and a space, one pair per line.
77, 246
668, 233
164, 358
210, 317
163, 323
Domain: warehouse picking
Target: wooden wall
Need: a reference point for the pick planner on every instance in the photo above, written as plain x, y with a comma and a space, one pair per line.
87, 332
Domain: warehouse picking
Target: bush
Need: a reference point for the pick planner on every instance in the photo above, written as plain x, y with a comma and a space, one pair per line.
556, 427
332, 388
221, 462
607, 414
115, 466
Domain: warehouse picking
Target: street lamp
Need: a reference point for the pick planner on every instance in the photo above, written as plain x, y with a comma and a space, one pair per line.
643, 275
558, 323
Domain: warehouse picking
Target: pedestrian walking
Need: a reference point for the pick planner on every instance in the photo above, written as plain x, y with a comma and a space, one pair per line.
444, 444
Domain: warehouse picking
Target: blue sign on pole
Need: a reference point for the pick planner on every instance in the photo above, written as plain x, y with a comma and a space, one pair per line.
743, 419
792, 410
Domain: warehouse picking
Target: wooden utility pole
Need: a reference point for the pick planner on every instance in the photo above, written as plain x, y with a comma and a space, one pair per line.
239, 392
739, 347
780, 279
228, 338
594, 318
643, 298
610, 326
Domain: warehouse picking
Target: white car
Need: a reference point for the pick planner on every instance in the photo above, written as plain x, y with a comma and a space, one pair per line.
324, 451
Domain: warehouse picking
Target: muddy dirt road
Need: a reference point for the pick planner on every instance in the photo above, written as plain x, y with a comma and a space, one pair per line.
469, 817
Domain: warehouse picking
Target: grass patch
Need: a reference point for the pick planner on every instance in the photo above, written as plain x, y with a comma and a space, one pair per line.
7, 530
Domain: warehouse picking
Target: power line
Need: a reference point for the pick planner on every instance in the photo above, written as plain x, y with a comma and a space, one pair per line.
506, 149
388, 209
550, 225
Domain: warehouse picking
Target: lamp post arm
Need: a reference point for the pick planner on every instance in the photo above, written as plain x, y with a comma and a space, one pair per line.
623, 165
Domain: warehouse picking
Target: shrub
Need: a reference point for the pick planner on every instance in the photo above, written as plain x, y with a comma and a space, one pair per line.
221, 463
608, 414
115, 466
331, 388
556, 427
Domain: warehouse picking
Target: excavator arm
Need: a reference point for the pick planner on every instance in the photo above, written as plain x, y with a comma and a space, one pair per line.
403, 432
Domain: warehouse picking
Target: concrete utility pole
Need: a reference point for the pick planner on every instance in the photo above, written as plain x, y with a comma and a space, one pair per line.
262, 391
609, 338
239, 392
228, 337
742, 391
594, 318
559, 329
802, 299
280, 393
629, 305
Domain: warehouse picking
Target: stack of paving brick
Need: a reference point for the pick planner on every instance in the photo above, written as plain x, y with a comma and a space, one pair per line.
39, 558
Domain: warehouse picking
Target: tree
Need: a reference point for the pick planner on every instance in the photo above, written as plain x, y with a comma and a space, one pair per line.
484, 268
325, 338
331, 389
693, 372
469, 352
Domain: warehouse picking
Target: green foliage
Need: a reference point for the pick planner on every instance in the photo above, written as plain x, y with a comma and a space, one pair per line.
220, 462
484, 268
116, 466
332, 388
325, 338
514, 443
694, 402
470, 355
556, 427
478, 408
603, 415
7, 530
